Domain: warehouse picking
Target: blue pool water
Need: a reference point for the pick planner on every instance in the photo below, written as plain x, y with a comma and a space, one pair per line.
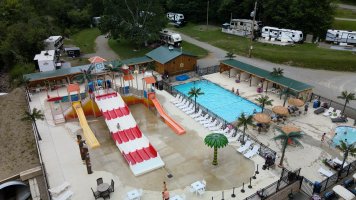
223, 103
350, 134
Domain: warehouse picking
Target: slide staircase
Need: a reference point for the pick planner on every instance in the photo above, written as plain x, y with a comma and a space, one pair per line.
135, 147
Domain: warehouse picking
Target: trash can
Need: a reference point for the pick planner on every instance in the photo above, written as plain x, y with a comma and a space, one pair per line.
317, 187
316, 104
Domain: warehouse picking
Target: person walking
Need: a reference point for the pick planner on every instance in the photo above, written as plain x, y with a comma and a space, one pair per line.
323, 137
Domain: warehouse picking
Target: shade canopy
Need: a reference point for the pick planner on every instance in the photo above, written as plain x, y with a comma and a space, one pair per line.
290, 128
96, 59
296, 102
128, 77
149, 80
280, 110
262, 118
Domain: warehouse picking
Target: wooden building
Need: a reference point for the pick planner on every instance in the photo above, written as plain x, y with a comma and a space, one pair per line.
172, 60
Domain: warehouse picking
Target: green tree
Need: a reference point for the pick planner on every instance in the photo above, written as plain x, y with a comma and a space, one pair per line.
32, 116
230, 55
264, 101
216, 140
138, 21
195, 92
277, 71
284, 138
244, 121
347, 149
347, 97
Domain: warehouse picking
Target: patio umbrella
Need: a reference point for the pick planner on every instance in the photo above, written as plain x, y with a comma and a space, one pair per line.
96, 59
296, 102
290, 128
280, 110
262, 118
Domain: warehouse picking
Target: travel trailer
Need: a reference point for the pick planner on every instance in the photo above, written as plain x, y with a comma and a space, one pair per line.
341, 36
46, 60
171, 38
282, 35
54, 43
241, 27
175, 17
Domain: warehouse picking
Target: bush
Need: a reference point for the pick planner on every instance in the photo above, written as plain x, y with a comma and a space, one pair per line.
20, 69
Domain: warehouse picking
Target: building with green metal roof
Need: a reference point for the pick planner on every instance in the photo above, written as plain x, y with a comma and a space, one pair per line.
282, 82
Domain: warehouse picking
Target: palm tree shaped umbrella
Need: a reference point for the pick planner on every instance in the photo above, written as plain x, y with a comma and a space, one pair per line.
230, 55
195, 92
33, 116
244, 121
85, 76
264, 101
347, 149
216, 140
288, 133
347, 97
113, 70
277, 71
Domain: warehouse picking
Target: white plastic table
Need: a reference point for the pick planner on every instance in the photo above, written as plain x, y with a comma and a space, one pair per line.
133, 194
176, 197
198, 186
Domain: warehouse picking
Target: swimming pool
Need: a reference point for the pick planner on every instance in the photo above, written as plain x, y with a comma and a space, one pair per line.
350, 134
220, 101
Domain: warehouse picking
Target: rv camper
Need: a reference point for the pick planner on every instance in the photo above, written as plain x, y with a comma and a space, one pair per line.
171, 38
283, 35
54, 43
174, 17
341, 36
240, 27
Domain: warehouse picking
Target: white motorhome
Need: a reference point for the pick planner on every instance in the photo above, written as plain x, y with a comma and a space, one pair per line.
240, 27
170, 38
46, 60
175, 17
341, 36
53, 43
283, 35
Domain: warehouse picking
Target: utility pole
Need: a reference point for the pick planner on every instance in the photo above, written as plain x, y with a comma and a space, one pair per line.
207, 15
253, 14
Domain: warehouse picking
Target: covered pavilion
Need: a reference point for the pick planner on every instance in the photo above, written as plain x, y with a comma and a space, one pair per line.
263, 78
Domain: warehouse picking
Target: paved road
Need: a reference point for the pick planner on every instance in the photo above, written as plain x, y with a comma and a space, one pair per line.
102, 49
345, 19
327, 83
345, 6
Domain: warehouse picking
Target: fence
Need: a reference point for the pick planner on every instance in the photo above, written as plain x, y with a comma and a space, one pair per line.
264, 151
308, 187
287, 178
201, 71
349, 111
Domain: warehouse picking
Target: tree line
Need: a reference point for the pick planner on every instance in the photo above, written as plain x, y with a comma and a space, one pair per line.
26, 23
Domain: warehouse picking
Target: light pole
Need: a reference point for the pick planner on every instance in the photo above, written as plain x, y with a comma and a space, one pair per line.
253, 14
207, 15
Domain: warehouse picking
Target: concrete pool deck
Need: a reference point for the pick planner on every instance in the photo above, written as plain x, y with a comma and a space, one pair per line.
62, 159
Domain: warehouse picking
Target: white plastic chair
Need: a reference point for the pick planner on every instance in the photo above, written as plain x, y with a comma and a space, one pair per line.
328, 112
244, 147
252, 152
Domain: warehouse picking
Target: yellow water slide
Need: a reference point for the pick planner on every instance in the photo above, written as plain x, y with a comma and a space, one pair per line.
87, 132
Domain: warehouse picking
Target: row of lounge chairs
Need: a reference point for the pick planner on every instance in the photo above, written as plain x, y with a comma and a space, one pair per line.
206, 120
247, 151
335, 115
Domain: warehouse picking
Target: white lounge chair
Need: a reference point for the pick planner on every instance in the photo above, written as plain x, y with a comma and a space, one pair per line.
253, 151
325, 172
244, 147
329, 111
209, 125
184, 105
177, 98
190, 107
337, 161
181, 103
216, 128
198, 114
201, 118
207, 121
191, 111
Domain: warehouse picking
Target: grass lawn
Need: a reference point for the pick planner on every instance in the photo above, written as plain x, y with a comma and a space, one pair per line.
126, 50
345, 13
85, 40
304, 55
344, 25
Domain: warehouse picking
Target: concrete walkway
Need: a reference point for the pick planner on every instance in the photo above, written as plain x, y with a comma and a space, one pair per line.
103, 49
345, 19
346, 6
326, 83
